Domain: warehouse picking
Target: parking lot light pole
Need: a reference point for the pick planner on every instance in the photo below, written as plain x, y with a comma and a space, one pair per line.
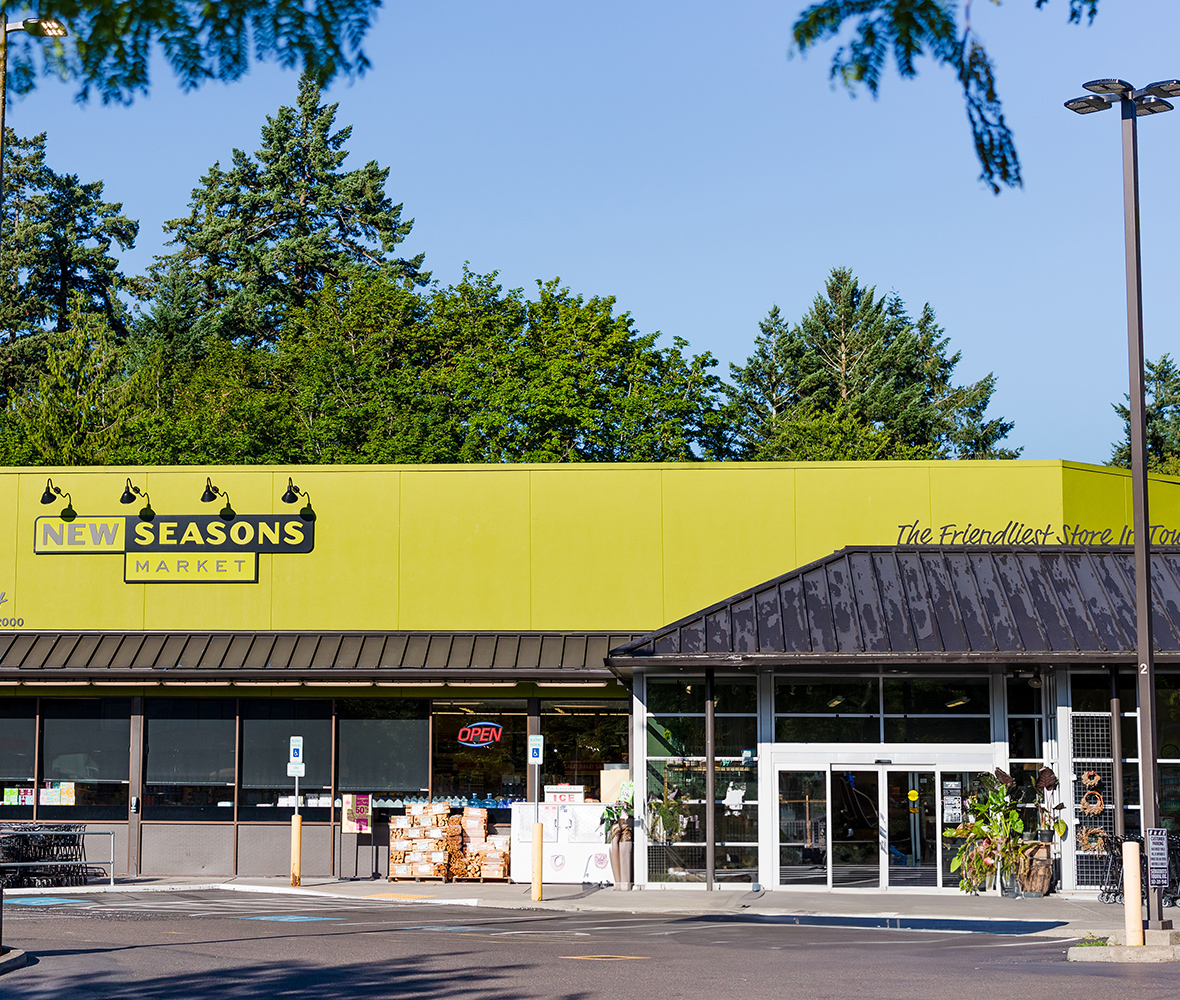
39, 27
1133, 104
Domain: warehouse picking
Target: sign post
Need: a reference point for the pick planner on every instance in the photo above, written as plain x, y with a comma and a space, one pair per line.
536, 756
296, 768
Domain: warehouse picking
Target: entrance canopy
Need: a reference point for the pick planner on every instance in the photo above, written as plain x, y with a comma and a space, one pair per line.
345, 658
927, 607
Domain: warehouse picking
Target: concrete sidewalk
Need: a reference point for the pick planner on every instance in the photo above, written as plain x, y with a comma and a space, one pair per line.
1055, 915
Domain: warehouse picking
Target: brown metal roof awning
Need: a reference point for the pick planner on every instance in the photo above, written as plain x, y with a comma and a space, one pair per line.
927, 606
347, 657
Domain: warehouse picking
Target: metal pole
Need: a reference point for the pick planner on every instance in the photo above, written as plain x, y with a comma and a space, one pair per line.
710, 785
1116, 754
1145, 670
3, 106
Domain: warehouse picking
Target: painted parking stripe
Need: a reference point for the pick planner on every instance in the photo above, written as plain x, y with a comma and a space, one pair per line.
607, 958
40, 900
290, 918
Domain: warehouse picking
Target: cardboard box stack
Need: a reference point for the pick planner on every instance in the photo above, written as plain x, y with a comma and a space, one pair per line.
481, 856
418, 845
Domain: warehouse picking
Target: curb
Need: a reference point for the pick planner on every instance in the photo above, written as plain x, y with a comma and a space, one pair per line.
1142, 954
12, 959
87, 890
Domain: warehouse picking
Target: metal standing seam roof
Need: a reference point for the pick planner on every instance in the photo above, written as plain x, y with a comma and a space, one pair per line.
347, 657
929, 605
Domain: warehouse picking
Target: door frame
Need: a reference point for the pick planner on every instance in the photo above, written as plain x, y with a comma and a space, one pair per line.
932, 759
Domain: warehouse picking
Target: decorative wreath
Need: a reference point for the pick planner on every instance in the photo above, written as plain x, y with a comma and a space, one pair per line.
1091, 779
1091, 804
1091, 838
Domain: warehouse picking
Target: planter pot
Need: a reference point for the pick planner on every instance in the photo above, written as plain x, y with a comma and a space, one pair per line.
1046, 836
625, 852
1037, 873
613, 853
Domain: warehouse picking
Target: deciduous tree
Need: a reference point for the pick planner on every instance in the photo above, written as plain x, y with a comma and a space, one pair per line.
110, 47
939, 29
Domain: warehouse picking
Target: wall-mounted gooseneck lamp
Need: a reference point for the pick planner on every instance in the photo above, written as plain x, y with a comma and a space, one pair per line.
227, 513
50, 496
130, 493
293, 494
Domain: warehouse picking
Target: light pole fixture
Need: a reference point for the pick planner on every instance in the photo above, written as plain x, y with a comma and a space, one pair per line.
292, 496
130, 493
227, 513
50, 496
38, 27
1149, 100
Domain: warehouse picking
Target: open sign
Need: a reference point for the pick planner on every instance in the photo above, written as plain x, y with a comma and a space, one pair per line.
480, 734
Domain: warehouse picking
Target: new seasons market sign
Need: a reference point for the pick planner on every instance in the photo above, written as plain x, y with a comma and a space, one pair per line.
199, 548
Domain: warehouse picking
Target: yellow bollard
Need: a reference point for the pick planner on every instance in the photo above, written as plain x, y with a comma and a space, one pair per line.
1132, 894
538, 859
296, 850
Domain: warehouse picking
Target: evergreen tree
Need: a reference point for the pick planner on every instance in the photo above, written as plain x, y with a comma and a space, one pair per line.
174, 325
56, 253
25, 173
1162, 413
858, 357
80, 405
263, 237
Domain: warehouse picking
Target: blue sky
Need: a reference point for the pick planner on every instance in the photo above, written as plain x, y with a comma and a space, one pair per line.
674, 155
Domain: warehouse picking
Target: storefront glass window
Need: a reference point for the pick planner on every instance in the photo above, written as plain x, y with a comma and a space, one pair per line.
18, 743
1167, 715
480, 750
820, 710
267, 727
189, 753
581, 738
384, 745
1170, 796
1024, 721
86, 762
676, 779
937, 710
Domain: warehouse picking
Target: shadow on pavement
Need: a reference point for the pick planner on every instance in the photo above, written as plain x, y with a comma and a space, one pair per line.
406, 977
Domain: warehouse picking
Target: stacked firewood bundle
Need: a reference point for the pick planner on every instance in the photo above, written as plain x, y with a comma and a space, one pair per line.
428, 842
481, 856
418, 844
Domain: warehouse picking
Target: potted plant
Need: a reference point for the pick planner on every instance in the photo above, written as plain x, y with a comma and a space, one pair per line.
990, 833
996, 842
616, 819
1048, 826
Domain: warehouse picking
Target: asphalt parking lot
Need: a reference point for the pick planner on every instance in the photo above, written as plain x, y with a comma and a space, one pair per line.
213, 945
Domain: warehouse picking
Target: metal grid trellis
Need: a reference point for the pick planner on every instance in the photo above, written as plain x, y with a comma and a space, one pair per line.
1091, 750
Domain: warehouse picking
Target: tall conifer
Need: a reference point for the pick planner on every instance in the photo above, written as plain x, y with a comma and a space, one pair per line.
264, 236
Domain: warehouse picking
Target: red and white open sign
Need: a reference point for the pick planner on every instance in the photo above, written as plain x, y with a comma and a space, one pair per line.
480, 734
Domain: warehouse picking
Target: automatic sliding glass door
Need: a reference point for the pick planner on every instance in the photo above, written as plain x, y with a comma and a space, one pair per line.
868, 826
803, 827
856, 829
912, 829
